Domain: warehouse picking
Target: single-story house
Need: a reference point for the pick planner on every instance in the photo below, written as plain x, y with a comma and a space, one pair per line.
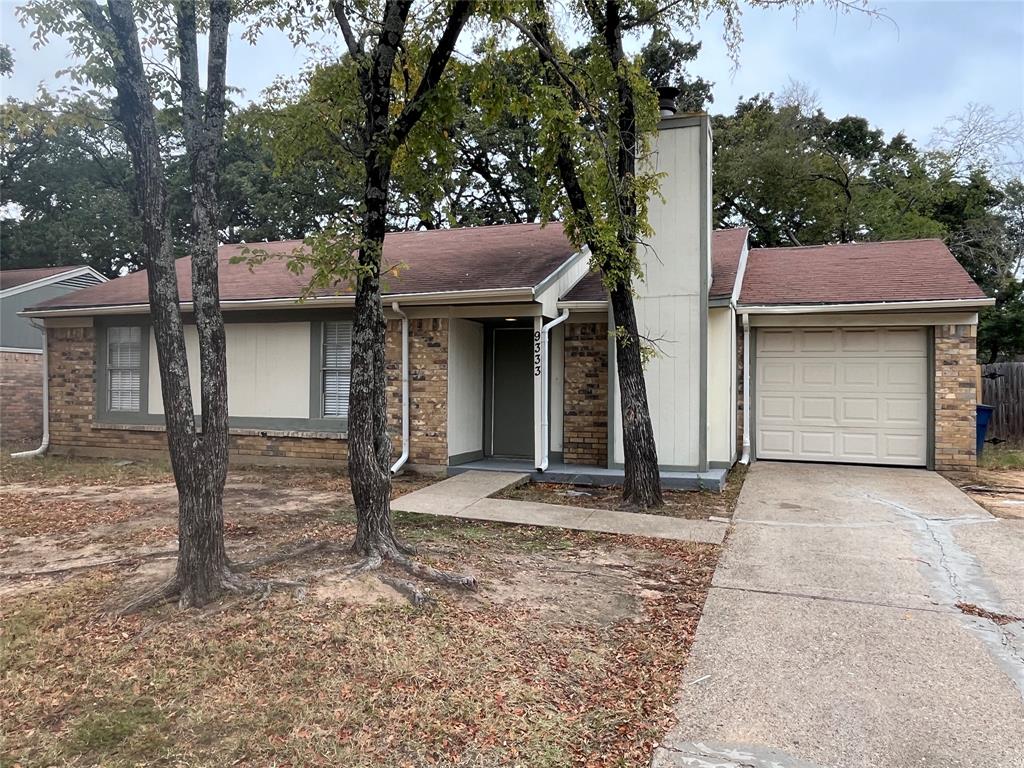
850, 353
21, 344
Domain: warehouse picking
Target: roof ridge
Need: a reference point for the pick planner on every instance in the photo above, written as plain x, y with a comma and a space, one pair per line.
847, 245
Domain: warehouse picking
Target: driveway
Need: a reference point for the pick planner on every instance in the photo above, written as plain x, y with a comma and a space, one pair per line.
831, 635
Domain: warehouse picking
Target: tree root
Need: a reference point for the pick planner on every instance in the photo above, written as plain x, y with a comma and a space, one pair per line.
305, 548
233, 581
374, 561
236, 581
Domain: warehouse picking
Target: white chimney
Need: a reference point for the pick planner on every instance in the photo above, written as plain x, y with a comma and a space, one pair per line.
671, 299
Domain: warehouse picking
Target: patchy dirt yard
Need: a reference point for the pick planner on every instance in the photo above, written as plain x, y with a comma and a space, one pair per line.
569, 654
694, 505
998, 484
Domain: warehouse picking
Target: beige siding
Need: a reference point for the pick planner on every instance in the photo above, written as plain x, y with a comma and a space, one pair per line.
668, 300
268, 370
721, 385
465, 387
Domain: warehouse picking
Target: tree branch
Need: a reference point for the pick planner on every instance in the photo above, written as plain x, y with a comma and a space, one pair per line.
414, 110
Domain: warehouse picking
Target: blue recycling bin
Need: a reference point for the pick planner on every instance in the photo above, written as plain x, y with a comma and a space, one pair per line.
984, 416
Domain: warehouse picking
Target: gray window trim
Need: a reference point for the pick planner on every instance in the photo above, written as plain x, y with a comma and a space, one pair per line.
104, 416
319, 422
101, 377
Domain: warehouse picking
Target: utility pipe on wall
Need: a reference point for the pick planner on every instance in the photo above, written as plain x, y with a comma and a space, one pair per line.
405, 390
46, 405
545, 388
745, 458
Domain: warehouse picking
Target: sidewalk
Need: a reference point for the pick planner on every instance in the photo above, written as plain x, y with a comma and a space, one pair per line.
467, 495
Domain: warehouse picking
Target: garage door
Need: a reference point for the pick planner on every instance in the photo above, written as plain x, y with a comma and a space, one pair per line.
856, 395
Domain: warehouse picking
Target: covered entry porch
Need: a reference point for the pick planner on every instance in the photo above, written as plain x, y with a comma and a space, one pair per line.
505, 379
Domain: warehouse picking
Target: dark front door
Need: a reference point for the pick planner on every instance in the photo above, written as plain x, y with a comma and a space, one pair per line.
512, 392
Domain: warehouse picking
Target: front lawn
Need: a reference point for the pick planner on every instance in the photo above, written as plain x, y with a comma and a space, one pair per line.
569, 654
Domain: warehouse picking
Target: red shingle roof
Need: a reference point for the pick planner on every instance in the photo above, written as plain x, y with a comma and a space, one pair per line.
900, 270
473, 258
11, 278
726, 247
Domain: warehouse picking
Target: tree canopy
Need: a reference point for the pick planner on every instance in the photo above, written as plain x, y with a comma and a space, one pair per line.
784, 168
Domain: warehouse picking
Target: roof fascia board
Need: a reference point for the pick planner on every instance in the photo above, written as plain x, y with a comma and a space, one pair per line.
560, 270
446, 297
741, 270
803, 309
50, 279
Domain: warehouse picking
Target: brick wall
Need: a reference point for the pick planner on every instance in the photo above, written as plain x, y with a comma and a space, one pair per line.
955, 396
428, 389
21, 399
585, 418
72, 407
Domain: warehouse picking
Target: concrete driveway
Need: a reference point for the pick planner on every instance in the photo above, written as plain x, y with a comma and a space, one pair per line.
831, 635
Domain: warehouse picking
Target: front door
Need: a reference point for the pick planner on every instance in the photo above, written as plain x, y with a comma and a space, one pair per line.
512, 392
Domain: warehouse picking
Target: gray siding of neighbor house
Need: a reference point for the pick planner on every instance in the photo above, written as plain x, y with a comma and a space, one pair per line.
18, 332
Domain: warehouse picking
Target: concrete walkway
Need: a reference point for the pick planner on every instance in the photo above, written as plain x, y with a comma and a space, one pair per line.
466, 496
831, 638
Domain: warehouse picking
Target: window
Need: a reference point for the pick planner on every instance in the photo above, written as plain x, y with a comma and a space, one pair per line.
124, 368
336, 371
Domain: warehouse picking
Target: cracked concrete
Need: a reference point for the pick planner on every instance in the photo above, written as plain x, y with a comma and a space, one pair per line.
831, 635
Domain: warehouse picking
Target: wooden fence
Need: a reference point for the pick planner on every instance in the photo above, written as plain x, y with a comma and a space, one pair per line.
1006, 393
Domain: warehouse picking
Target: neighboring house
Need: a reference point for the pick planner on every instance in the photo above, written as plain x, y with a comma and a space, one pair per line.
852, 353
21, 344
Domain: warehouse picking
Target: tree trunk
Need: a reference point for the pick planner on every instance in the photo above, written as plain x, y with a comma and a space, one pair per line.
202, 562
369, 448
199, 461
642, 484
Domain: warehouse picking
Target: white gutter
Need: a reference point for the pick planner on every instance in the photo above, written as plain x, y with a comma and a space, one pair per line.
599, 305
745, 458
484, 296
545, 388
405, 390
805, 309
45, 444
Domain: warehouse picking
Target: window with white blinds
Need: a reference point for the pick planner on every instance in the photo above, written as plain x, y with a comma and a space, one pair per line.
336, 371
124, 368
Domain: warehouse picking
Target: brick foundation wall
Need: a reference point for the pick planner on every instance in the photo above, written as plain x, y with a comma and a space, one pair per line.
73, 407
21, 399
955, 397
585, 418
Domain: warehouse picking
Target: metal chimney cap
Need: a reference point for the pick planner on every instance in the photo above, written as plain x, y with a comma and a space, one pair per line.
667, 95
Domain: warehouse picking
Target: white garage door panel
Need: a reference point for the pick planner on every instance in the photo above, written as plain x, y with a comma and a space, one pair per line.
848, 395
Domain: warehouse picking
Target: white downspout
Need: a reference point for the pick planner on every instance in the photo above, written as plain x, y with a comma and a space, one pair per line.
745, 458
405, 390
46, 405
545, 388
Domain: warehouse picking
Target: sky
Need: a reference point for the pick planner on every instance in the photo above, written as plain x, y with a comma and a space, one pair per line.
925, 61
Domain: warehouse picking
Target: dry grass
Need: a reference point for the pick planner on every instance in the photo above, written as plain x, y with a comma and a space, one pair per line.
570, 654
695, 505
1002, 457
